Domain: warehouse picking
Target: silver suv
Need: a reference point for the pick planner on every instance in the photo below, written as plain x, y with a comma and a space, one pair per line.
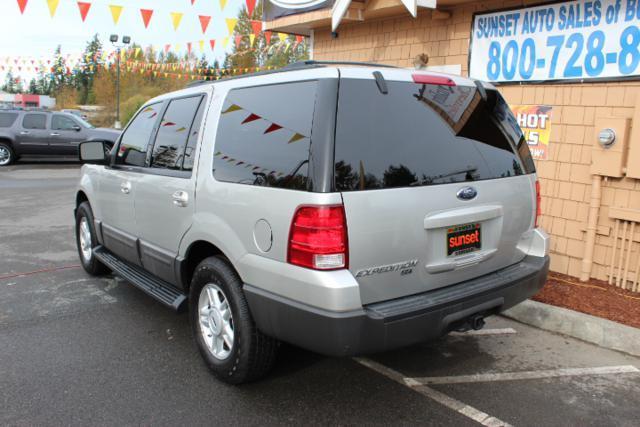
343, 208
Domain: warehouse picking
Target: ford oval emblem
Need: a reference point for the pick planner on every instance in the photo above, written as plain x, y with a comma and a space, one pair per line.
466, 193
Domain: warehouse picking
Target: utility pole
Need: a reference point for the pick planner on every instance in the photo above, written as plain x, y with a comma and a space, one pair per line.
125, 41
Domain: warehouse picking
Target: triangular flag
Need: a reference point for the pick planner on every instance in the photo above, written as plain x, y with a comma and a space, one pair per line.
53, 6
188, 47
296, 137
192, 2
204, 22
267, 36
251, 4
232, 108
282, 36
223, 3
251, 117
225, 42
136, 51
22, 4
176, 17
212, 43
238, 41
166, 48
115, 13
256, 26
252, 38
146, 16
84, 7
272, 128
201, 45
231, 24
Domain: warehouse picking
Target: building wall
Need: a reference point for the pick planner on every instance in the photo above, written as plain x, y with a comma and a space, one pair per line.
565, 178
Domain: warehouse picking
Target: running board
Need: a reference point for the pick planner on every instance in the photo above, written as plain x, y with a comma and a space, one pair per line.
157, 288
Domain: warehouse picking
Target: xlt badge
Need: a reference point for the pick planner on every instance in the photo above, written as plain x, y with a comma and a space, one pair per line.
405, 267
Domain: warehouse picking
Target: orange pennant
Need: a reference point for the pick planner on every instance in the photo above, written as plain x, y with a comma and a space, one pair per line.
84, 7
204, 22
146, 16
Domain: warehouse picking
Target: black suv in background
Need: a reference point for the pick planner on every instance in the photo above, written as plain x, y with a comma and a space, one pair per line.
46, 133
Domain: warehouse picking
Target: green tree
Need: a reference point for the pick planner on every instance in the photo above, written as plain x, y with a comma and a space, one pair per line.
33, 87
277, 54
87, 68
12, 84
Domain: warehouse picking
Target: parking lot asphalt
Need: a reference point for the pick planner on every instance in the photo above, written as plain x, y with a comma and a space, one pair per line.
77, 350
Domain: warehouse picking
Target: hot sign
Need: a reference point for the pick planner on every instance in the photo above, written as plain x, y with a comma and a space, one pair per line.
562, 41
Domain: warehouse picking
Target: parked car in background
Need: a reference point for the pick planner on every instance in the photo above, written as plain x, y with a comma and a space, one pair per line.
344, 209
41, 133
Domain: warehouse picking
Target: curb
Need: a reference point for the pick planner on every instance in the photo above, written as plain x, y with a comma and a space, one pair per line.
596, 330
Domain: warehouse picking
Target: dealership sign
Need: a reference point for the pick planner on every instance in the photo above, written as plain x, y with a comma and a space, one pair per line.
535, 121
560, 41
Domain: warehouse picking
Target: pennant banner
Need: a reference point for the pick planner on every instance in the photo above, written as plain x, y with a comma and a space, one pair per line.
53, 6
115, 13
146, 16
204, 22
22, 4
176, 18
84, 9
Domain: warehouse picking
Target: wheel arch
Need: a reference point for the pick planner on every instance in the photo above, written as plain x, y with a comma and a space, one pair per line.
196, 252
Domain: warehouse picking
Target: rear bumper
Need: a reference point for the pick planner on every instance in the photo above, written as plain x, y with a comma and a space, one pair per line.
399, 322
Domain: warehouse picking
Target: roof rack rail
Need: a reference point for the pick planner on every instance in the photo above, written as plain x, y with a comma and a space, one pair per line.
300, 65
311, 63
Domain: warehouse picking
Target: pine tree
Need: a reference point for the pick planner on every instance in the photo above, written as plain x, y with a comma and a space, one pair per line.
88, 67
33, 87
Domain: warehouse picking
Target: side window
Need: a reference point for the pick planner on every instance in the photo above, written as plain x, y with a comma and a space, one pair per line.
264, 135
135, 139
34, 121
7, 119
175, 128
190, 150
60, 122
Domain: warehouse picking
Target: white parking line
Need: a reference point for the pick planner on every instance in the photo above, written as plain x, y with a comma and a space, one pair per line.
443, 399
497, 331
524, 375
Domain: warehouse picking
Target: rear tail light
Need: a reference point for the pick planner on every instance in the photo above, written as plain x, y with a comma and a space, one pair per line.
538, 202
427, 79
318, 238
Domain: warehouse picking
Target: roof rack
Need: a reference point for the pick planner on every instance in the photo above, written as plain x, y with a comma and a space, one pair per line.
300, 65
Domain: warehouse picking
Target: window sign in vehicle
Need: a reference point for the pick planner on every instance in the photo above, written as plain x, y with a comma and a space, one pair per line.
34, 121
583, 39
264, 135
135, 139
174, 130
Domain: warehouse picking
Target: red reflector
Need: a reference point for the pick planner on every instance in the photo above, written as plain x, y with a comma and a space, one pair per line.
538, 202
318, 238
427, 79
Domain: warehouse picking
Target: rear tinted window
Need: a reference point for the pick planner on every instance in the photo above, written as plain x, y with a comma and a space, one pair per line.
424, 135
173, 133
7, 119
34, 121
264, 135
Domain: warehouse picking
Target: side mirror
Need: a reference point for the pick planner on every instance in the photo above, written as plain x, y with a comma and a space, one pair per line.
93, 152
76, 128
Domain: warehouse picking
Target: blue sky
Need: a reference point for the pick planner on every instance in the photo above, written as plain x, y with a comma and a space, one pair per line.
36, 34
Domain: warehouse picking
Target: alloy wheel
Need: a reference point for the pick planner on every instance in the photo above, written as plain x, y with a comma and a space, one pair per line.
216, 321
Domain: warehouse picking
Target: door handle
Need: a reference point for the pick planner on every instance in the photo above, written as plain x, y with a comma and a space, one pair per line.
54, 134
24, 132
180, 198
125, 187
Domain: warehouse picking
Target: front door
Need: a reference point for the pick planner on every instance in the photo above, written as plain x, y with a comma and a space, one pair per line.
118, 185
65, 135
165, 196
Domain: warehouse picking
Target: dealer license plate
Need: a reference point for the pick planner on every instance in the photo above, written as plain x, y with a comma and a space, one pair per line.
462, 239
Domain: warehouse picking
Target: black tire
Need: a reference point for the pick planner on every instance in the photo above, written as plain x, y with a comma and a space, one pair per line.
91, 265
253, 354
7, 150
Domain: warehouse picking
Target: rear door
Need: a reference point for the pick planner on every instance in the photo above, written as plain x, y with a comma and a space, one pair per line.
32, 134
433, 188
165, 197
